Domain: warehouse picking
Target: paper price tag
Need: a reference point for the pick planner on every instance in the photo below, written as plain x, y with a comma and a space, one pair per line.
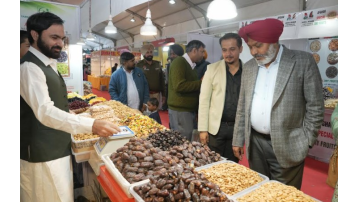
100, 144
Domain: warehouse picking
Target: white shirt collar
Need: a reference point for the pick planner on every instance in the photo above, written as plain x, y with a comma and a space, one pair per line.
278, 57
47, 61
187, 58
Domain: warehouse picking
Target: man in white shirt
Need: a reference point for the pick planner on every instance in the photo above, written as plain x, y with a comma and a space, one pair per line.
184, 89
45, 124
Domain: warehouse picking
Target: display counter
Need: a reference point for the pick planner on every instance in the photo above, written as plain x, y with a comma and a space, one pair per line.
111, 187
96, 82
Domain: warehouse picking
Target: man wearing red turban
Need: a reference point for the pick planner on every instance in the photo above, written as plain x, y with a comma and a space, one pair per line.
280, 108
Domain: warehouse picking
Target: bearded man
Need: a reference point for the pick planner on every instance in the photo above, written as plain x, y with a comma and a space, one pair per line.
45, 122
280, 108
129, 85
154, 74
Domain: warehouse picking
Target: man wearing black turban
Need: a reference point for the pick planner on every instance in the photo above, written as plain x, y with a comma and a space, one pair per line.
280, 108
128, 84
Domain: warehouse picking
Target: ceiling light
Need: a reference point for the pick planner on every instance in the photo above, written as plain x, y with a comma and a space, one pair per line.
81, 42
110, 28
165, 48
148, 28
172, 1
132, 19
221, 10
90, 36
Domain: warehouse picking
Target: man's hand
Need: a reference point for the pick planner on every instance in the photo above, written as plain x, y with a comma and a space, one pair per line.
204, 137
143, 108
238, 152
104, 128
163, 100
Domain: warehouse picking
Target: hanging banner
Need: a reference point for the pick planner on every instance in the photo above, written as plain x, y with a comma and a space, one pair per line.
289, 20
68, 13
290, 25
307, 24
318, 23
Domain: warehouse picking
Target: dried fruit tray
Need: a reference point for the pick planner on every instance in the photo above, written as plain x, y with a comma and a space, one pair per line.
124, 184
265, 178
119, 178
257, 186
79, 146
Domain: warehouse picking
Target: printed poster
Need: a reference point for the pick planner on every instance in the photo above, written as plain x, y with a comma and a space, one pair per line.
63, 64
325, 53
325, 143
68, 13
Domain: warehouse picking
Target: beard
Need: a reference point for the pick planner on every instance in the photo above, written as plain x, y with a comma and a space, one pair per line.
268, 56
149, 58
46, 50
130, 67
230, 60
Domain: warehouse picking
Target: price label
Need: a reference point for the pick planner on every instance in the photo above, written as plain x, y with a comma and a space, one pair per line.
100, 144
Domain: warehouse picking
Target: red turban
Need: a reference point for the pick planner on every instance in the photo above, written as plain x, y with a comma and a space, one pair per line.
265, 31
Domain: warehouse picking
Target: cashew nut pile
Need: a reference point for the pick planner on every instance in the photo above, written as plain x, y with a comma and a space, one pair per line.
275, 191
231, 177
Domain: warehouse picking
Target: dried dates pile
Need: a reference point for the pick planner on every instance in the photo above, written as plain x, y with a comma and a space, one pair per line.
171, 173
165, 139
180, 184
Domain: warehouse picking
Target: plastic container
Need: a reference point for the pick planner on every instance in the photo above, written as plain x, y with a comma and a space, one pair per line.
81, 156
124, 184
79, 146
265, 178
257, 186
95, 162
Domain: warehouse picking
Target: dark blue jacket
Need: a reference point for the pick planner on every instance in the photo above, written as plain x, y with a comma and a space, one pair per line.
118, 86
156, 117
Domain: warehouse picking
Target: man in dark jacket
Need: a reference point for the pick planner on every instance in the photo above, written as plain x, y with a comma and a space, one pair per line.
128, 85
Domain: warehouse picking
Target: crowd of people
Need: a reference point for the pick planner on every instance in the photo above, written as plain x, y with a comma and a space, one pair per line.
271, 105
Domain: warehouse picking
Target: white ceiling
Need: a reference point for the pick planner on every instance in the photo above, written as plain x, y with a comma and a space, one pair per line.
163, 14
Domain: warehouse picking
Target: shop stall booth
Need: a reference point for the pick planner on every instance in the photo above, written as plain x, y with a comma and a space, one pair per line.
101, 63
